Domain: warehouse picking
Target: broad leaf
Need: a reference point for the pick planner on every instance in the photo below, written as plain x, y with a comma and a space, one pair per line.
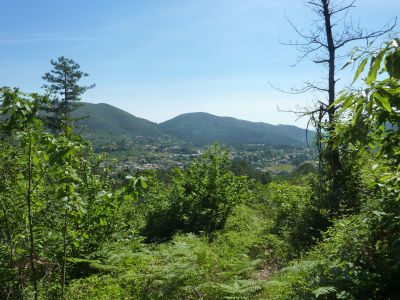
376, 63
360, 69
382, 101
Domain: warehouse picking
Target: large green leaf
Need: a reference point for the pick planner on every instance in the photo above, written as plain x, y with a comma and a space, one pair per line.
383, 101
348, 101
376, 63
360, 69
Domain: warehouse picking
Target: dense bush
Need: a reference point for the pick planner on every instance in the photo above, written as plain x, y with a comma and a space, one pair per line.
200, 198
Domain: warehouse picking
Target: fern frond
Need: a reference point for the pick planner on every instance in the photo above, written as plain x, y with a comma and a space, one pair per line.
324, 290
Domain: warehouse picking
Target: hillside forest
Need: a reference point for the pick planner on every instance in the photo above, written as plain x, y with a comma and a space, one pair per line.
74, 226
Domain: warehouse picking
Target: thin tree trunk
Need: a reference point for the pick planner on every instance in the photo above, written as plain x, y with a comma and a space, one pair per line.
8, 234
65, 105
332, 152
63, 264
30, 219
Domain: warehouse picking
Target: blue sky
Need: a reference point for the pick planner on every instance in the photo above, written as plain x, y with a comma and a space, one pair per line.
158, 59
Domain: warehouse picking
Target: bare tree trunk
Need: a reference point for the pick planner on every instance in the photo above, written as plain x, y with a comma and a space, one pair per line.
330, 33
333, 155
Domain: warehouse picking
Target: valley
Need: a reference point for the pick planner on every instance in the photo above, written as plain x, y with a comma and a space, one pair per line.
136, 144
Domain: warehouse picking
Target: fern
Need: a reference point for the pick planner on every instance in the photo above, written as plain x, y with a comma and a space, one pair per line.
301, 266
96, 264
240, 289
324, 290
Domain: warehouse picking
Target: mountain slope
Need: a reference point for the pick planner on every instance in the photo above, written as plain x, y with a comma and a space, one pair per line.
203, 128
105, 122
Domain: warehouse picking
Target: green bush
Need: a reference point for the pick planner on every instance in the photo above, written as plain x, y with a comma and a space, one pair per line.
200, 198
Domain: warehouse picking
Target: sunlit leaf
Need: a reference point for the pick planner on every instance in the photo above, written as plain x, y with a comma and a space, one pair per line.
382, 101
360, 69
374, 68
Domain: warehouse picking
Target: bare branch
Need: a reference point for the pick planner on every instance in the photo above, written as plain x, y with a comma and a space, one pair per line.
359, 34
308, 87
302, 113
292, 90
304, 55
314, 87
296, 29
343, 8
321, 61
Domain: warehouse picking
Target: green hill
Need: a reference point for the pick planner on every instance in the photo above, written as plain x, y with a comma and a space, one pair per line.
203, 128
105, 123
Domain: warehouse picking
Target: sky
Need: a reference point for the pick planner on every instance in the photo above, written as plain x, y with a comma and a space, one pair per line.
157, 59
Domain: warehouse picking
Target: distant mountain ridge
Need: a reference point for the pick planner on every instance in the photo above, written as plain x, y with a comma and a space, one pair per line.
204, 128
106, 122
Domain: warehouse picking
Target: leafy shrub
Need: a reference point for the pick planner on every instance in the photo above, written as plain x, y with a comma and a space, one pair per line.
200, 198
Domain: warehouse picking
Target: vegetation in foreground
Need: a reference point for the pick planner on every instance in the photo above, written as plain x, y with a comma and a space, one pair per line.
71, 231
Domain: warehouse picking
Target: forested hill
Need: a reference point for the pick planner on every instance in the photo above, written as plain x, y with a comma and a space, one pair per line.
203, 128
106, 122
103, 122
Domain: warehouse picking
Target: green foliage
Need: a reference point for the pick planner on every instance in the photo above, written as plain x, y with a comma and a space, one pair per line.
296, 219
62, 84
239, 290
70, 230
240, 167
306, 168
200, 198
376, 107
55, 200
188, 266
324, 290
102, 287
359, 255
356, 259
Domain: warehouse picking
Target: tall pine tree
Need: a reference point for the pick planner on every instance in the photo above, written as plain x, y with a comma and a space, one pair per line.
62, 83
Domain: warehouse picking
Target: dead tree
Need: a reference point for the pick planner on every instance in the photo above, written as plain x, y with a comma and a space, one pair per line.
325, 43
